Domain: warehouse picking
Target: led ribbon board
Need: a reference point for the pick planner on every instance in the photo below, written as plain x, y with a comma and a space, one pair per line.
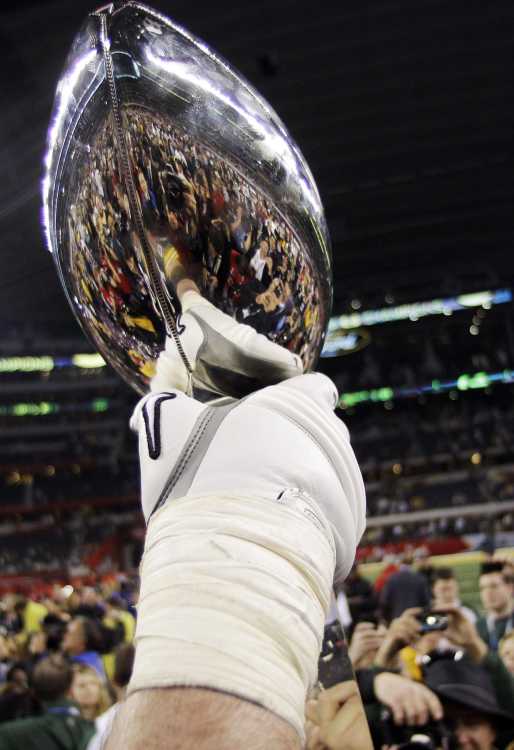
47, 364
341, 326
479, 380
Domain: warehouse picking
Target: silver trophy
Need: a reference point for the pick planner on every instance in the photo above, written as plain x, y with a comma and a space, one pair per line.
164, 165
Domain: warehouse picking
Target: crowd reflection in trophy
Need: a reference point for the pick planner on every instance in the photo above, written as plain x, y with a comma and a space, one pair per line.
204, 221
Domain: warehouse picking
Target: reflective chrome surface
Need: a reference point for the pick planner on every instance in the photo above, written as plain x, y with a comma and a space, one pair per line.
164, 164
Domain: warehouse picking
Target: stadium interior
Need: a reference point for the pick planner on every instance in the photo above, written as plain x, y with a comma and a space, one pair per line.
404, 112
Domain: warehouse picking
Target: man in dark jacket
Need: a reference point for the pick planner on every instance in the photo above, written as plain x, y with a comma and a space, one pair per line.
403, 590
60, 726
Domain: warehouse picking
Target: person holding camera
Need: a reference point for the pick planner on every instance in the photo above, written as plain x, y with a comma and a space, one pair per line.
445, 592
407, 637
471, 716
462, 697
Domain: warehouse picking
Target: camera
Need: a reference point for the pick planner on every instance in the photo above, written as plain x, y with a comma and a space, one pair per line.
436, 735
432, 622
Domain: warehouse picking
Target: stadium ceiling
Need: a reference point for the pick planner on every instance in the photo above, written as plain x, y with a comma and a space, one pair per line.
403, 110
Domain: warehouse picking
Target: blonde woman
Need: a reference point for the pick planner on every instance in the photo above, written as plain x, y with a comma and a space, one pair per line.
89, 691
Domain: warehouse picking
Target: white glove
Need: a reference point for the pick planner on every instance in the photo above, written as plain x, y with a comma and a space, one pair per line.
225, 356
283, 437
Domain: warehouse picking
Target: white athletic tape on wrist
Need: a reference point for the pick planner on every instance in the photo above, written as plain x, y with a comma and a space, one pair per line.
234, 593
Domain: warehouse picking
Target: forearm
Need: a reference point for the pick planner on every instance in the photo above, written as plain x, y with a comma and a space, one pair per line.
235, 586
388, 656
197, 719
366, 682
224, 584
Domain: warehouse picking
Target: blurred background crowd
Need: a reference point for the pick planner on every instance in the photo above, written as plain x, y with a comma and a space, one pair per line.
431, 646
430, 660
439, 474
404, 113
65, 660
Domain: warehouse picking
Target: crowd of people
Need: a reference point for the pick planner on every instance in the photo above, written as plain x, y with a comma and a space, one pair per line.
452, 534
66, 659
56, 540
390, 494
467, 486
204, 221
68, 542
431, 669
438, 348
441, 432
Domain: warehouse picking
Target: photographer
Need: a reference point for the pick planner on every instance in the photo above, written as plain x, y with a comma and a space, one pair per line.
458, 630
471, 717
392, 647
463, 633
478, 715
397, 650
472, 678
445, 592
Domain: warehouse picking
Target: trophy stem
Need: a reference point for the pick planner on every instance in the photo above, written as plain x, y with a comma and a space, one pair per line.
166, 308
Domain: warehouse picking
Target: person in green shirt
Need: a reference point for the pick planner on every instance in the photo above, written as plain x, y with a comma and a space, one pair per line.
59, 726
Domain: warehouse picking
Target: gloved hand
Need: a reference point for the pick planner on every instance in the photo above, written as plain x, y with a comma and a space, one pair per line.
226, 357
283, 437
